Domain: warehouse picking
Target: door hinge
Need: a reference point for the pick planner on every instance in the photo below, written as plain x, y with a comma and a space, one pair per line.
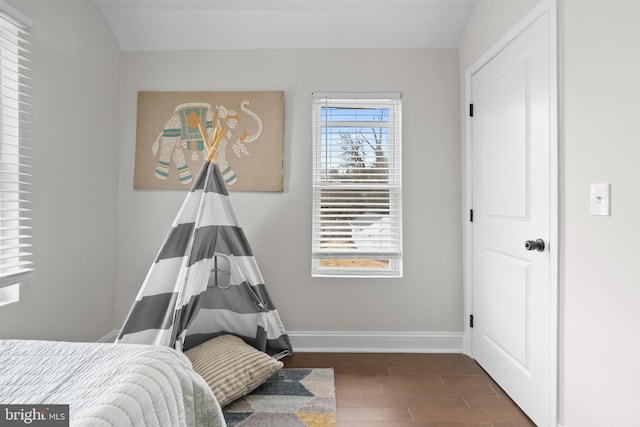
471, 320
470, 110
470, 215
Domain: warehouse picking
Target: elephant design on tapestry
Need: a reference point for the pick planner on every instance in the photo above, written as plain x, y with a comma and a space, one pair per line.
181, 137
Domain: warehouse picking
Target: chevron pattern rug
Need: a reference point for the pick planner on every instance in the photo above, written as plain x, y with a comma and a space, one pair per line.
292, 397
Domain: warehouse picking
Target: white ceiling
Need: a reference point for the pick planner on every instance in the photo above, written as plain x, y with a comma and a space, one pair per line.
285, 24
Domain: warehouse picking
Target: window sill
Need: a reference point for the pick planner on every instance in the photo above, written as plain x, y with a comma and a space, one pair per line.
9, 294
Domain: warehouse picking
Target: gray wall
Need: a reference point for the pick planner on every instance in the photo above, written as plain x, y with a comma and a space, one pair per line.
75, 80
599, 284
278, 225
600, 65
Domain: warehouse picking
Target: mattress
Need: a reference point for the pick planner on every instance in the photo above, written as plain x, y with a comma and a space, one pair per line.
106, 384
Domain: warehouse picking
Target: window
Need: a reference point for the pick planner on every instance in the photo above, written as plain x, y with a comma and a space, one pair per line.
220, 274
15, 239
357, 185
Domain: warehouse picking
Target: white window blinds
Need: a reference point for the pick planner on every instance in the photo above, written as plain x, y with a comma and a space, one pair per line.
357, 185
15, 229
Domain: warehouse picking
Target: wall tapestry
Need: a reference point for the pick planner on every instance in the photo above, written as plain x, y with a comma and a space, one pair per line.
170, 149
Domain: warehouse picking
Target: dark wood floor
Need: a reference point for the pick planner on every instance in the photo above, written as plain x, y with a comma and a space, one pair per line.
411, 390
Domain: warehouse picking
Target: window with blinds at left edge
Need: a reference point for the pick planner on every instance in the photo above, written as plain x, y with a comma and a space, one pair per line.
15, 215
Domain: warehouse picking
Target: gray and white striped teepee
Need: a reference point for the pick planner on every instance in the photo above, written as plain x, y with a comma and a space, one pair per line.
205, 281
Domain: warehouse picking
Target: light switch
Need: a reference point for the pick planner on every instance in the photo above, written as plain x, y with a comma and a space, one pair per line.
600, 199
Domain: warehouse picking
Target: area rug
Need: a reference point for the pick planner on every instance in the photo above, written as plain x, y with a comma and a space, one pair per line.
292, 397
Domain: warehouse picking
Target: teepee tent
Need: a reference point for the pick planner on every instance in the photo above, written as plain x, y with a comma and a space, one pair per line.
205, 281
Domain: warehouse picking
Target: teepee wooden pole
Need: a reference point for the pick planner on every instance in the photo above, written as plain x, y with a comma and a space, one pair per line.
203, 134
212, 146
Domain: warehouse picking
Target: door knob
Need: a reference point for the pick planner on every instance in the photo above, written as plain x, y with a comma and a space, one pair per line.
534, 245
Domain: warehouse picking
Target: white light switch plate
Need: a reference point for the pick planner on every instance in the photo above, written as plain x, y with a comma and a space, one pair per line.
600, 199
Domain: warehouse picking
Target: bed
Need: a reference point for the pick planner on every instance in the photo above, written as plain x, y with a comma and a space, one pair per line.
105, 384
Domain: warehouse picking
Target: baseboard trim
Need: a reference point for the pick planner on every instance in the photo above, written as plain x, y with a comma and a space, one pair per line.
376, 342
364, 342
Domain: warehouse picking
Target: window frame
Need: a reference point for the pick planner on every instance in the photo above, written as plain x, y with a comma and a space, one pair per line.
15, 178
386, 247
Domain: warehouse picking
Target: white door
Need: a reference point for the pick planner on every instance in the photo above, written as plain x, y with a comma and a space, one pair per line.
512, 290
